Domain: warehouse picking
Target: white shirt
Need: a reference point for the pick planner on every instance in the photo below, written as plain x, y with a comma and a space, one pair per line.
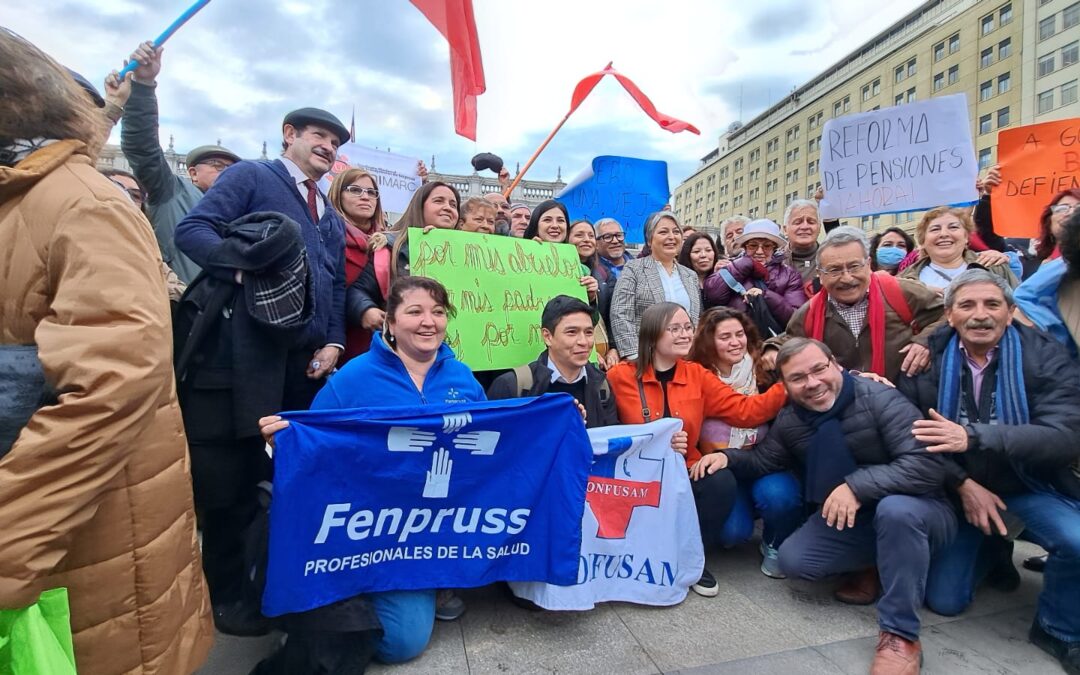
674, 290
557, 376
300, 178
936, 276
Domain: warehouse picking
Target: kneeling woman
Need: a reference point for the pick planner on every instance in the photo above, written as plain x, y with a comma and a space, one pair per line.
408, 364
663, 384
727, 343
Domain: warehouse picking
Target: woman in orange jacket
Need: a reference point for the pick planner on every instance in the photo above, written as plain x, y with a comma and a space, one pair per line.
663, 384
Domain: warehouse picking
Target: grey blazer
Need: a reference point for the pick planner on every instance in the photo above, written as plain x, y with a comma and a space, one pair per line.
639, 287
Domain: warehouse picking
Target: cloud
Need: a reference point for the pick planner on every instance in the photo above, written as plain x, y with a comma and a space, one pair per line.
233, 73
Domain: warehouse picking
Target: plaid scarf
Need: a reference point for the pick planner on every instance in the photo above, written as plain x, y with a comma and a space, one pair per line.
277, 298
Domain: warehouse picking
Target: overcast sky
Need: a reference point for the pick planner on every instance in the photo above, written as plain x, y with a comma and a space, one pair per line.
240, 65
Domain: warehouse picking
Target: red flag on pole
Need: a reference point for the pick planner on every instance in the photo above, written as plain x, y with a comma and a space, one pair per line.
585, 87
455, 20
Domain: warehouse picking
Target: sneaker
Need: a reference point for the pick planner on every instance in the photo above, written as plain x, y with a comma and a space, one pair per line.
770, 562
1068, 653
706, 586
448, 606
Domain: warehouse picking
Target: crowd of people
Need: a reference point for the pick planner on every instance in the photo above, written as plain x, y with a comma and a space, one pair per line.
896, 411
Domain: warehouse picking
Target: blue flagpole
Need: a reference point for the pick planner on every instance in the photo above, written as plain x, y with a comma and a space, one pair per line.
168, 32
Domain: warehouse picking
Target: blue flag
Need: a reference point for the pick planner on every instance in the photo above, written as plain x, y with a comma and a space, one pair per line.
438, 496
623, 188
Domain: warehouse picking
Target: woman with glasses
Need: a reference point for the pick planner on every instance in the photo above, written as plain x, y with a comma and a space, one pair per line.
355, 195
664, 384
656, 277
759, 282
943, 235
1052, 223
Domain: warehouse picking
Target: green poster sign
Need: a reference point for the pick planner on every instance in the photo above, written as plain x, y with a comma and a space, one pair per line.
499, 286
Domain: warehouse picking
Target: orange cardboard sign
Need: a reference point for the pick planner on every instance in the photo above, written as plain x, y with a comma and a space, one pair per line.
1037, 162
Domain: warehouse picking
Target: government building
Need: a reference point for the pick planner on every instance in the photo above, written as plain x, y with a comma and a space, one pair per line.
1016, 61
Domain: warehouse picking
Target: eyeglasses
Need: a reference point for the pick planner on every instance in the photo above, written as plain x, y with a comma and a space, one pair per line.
1059, 209
135, 193
676, 330
837, 272
361, 191
757, 246
217, 164
612, 236
817, 371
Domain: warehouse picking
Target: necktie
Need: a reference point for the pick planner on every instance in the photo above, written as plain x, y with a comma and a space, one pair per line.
313, 207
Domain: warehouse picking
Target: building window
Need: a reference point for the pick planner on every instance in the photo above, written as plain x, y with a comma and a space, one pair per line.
984, 158
939, 81
899, 100
1047, 27
1004, 82
1046, 65
772, 145
1004, 49
1071, 16
911, 68
1068, 93
986, 57
987, 24
954, 44
1003, 117
986, 90
875, 88
954, 74
866, 92
1005, 15
939, 51
847, 104
911, 95
898, 74
1046, 102
986, 124
1070, 54
812, 145
811, 167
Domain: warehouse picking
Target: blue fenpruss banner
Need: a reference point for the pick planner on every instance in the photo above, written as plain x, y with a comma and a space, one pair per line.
440, 496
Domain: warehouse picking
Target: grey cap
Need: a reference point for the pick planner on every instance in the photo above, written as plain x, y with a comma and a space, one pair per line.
204, 152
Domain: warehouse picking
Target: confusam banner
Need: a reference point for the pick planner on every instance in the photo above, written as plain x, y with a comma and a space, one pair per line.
395, 175
640, 540
1037, 162
904, 158
439, 496
624, 188
499, 286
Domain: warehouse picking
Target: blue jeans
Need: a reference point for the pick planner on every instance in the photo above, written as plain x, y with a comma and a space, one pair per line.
777, 498
407, 619
1051, 521
900, 534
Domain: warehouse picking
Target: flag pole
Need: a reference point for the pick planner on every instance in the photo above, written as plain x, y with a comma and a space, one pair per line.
168, 33
521, 174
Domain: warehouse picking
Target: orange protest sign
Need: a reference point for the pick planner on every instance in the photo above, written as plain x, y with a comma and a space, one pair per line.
1037, 162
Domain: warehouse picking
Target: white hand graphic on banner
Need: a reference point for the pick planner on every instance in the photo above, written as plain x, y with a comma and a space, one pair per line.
479, 442
455, 422
409, 439
437, 485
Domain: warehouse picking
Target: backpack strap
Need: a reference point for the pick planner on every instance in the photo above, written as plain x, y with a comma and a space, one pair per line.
381, 260
894, 296
524, 379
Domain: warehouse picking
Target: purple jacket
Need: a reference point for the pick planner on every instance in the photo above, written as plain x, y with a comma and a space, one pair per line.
783, 289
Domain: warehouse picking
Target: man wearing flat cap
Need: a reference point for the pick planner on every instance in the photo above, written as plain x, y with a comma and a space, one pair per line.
168, 197
221, 410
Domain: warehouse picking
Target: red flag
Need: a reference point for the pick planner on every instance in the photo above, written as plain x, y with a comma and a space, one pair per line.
585, 87
455, 20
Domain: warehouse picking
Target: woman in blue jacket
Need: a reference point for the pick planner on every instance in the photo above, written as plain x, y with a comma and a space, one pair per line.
408, 364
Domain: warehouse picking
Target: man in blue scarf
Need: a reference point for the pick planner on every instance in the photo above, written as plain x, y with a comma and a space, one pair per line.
1003, 405
876, 493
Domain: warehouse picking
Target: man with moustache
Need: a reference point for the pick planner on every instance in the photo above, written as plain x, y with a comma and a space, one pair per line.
227, 454
872, 322
502, 211
1003, 404
519, 219
878, 494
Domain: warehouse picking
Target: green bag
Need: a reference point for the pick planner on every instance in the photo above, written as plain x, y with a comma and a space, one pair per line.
36, 640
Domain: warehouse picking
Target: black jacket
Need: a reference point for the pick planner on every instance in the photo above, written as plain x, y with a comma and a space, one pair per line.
599, 402
877, 427
1045, 448
606, 289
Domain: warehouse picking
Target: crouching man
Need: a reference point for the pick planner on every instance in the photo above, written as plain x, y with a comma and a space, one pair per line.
877, 493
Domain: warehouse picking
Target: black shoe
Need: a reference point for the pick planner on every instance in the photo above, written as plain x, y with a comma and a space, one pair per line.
241, 620
1036, 563
1068, 653
706, 586
1004, 576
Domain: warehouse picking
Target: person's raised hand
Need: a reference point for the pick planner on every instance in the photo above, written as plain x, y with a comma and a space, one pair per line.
149, 60
504, 178
422, 171
992, 180
592, 287
117, 92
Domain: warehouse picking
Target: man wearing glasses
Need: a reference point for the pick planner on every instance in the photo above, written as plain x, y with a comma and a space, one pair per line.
168, 197
872, 323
